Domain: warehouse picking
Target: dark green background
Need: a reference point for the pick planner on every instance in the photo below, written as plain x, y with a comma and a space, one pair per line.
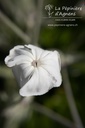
68, 40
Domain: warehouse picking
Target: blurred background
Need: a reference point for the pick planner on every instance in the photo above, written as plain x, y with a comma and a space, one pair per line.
26, 21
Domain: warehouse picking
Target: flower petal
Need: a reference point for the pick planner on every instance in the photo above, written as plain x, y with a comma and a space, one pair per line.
27, 71
35, 85
12, 51
18, 54
52, 59
22, 74
45, 54
17, 60
36, 51
51, 63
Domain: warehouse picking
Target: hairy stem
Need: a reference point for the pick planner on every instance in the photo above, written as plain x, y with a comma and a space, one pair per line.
70, 99
14, 28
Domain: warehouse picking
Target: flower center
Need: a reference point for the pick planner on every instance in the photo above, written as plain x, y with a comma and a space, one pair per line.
35, 63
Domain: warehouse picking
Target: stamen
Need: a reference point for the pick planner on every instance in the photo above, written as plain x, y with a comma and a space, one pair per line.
34, 63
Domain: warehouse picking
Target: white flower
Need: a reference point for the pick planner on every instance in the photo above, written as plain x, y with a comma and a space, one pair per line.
36, 70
